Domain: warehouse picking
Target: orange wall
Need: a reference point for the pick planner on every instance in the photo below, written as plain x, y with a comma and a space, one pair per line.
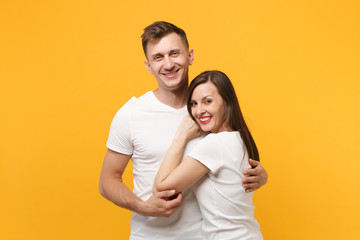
67, 66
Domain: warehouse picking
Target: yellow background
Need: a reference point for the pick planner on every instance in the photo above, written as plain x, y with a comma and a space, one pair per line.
67, 66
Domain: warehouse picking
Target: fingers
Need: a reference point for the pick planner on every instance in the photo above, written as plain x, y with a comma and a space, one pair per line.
188, 129
165, 194
175, 202
172, 200
162, 204
251, 186
172, 205
255, 177
250, 179
251, 172
250, 189
250, 183
254, 163
258, 168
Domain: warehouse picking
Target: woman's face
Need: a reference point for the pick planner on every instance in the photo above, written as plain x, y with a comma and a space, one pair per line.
208, 108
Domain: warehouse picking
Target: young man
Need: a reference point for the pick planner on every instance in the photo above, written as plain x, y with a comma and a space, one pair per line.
143, 130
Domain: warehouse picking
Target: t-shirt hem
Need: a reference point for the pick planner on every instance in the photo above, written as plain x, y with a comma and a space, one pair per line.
118, 150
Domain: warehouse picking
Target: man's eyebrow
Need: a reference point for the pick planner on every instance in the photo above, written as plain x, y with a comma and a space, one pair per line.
155, 54
170, 51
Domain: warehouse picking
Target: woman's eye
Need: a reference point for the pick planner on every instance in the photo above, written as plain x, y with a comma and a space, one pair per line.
208, 101
193, 103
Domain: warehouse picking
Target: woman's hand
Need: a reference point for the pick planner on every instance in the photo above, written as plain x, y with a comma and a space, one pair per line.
188, 129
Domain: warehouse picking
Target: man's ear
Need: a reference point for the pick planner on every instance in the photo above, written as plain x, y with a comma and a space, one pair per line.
147, 65
191, 56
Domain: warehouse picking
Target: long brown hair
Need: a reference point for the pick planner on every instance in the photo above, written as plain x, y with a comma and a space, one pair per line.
233, 115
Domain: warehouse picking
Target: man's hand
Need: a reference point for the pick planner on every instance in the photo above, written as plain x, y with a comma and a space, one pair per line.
257, 176
161, 204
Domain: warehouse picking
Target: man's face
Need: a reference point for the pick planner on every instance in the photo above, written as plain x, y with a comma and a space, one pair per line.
169, 60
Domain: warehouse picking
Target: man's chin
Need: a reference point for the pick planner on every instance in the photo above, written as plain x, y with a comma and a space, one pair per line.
174, 84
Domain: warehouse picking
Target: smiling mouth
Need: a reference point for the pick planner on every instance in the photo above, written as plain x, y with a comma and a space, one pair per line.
204, 120
171, 74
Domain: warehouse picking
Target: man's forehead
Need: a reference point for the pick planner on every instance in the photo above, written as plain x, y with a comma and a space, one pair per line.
165, 44
164, 52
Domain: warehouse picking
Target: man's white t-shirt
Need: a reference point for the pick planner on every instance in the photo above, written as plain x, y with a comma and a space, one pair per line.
227, 210
144, 128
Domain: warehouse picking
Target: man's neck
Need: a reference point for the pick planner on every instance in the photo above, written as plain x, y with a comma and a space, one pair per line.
175, 99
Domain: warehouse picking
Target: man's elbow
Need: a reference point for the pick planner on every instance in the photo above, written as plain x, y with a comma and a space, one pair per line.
102, 188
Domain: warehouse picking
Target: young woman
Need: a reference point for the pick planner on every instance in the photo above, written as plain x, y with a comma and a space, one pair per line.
214, 166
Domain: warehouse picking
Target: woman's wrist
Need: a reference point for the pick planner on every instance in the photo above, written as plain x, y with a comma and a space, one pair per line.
180, 138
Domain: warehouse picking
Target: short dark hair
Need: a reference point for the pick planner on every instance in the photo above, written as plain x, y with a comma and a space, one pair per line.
158, 30
232, 116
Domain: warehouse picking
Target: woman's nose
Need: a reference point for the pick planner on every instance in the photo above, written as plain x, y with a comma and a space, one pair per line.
199, 110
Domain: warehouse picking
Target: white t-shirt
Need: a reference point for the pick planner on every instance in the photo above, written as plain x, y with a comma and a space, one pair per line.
144, 128
227, 210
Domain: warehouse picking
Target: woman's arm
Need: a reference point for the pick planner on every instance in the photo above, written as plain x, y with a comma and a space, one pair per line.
173, 174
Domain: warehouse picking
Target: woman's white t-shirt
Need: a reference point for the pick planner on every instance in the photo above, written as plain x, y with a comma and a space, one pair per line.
227, 210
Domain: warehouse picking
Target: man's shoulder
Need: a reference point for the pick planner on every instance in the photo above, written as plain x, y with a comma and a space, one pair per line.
136, 102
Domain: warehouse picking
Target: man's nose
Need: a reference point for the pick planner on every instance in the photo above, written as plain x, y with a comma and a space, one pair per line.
169, 64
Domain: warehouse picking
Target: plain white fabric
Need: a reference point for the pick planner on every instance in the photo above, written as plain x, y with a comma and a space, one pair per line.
227, 210
144, 128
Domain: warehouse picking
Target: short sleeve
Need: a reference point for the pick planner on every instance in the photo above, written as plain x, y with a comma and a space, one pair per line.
208, 152
120, 132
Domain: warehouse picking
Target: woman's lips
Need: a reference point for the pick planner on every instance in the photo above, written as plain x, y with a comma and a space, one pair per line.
204, 120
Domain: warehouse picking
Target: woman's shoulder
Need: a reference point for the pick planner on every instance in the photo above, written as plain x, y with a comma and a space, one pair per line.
220, 138
223, 135
210, 137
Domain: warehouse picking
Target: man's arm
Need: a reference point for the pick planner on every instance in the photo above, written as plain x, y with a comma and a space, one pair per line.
111, 186
257, 176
